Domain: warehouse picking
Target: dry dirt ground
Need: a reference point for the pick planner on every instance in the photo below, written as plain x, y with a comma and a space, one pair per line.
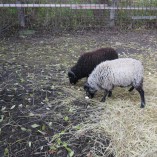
41, 114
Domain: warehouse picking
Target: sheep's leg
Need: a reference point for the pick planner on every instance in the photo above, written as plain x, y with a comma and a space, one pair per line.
141, 92
131, 89
109, 93
105, 94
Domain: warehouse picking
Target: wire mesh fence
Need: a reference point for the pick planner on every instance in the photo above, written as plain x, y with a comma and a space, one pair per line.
65, 15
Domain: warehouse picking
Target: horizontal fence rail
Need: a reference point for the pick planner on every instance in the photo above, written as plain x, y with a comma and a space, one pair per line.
144, 17
77, 6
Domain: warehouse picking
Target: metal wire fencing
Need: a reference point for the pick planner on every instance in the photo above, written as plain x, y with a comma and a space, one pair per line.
66, 15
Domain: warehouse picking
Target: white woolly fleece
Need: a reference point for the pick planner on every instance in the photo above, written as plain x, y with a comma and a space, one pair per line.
119, 72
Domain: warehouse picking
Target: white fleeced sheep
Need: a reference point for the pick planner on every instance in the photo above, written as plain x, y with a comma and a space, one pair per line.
121, 72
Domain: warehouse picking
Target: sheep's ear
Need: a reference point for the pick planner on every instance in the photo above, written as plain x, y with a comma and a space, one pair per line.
70, 73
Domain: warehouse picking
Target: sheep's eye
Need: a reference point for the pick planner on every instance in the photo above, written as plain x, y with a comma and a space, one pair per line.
92, 89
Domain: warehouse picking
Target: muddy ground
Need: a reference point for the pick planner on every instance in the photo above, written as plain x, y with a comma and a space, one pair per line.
41, 113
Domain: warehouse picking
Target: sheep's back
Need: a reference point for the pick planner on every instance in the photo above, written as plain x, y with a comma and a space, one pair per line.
125, 71
118, 72
88, 61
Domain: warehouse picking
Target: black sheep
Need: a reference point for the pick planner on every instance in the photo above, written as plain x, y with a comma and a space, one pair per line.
88, 61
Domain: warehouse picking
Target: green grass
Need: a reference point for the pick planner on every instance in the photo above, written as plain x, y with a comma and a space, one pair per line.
66, 18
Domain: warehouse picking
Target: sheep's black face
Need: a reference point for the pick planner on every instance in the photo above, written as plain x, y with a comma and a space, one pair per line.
72, 77
90, 92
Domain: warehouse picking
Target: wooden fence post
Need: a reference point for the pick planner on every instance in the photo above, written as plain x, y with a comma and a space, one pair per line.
21, 16
113, 13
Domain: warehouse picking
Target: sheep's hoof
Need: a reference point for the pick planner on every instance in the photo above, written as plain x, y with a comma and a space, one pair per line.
142, 106
110, 94
103, 100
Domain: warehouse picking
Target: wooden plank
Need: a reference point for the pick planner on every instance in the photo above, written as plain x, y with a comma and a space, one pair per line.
35, 5
144, 17
88, 6
77, 6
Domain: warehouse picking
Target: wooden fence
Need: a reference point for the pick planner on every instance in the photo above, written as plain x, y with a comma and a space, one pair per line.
112, 10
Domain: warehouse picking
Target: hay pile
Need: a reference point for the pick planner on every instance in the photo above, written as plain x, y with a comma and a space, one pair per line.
132, 131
